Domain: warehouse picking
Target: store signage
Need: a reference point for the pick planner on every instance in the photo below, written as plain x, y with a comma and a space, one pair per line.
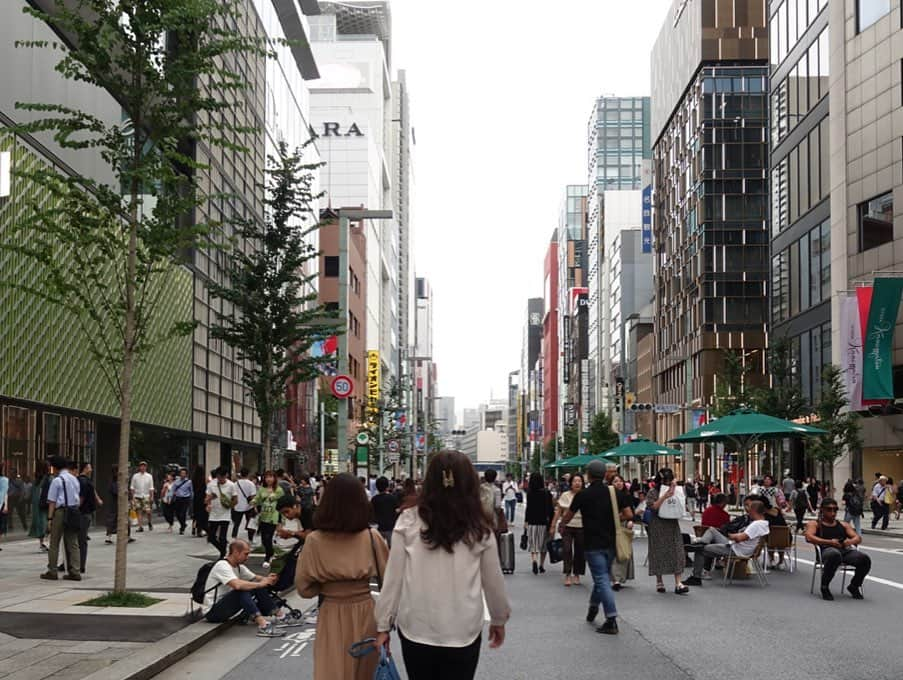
333, 129
647, 219
373, 381
5, 174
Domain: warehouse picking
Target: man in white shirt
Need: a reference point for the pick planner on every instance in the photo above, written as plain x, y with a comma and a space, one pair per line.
231, 587
742, 543
63, 497
509, 490
141, 490
222, 496
246, 490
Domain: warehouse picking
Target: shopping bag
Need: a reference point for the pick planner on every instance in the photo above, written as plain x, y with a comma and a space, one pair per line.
555, 548
133, 518
386, 669
253, 524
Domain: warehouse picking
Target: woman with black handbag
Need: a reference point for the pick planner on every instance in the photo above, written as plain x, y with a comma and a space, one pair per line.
538, 518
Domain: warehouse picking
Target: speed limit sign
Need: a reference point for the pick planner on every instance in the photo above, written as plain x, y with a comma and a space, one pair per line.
342, 386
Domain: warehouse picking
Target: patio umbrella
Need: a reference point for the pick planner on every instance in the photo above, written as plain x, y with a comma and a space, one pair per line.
573, 461
744, 428
639, 448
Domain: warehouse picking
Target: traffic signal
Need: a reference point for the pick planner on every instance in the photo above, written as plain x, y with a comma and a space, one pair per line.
640, 407
459, 432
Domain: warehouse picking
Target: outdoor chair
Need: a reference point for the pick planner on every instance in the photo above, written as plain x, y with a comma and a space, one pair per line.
844, 569
732, 561
782, 540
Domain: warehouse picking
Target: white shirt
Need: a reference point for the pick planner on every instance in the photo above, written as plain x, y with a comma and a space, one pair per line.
218, 513
510, 489
245, 489
142, 484
288, 525
220, 575
436, 597
755, 530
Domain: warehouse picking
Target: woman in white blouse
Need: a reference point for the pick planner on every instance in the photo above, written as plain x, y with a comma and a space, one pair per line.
443, 560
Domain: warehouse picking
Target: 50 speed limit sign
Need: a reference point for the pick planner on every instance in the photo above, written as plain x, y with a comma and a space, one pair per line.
342, 386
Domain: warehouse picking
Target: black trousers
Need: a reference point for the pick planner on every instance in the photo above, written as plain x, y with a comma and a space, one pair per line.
832, 558
267, 531
181, 506
169, 512
237, 517
217, 535
83, 539
425, 662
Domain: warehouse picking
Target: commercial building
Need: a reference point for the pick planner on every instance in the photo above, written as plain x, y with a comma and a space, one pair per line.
189, 402
529, 432
709, 125
550, 357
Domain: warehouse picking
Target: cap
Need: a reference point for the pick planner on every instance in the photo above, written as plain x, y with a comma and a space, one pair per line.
143, 462
595, 469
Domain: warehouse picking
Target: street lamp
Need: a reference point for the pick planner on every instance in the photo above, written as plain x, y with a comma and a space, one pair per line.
346, 215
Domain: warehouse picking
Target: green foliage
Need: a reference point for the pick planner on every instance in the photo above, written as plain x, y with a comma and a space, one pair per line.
390, 402
730, 390
601, 435
127, 599
842, 425
570, 442
784, 398
276, 316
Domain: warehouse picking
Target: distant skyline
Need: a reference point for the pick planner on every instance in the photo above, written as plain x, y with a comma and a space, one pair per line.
500, 100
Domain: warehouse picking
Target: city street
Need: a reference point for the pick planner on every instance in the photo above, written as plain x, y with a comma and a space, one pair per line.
740, 630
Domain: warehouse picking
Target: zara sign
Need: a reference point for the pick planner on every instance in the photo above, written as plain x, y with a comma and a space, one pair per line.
332, 129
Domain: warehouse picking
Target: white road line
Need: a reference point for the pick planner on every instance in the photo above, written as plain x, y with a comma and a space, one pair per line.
881, 550
882, 581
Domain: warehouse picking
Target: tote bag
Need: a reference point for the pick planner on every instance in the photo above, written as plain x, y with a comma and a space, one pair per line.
623, 536
672, 508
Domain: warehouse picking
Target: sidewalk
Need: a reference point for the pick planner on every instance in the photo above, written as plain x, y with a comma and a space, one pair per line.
45, 634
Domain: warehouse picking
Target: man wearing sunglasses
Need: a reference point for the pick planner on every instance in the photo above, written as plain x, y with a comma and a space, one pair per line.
835, 540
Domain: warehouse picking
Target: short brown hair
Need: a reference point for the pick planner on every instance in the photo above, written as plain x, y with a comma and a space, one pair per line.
344, 507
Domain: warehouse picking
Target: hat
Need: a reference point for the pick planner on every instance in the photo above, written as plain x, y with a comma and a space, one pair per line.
143, 462
595, 469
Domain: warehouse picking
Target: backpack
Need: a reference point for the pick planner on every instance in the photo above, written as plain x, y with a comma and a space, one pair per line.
854, 504
199, 587
800, 500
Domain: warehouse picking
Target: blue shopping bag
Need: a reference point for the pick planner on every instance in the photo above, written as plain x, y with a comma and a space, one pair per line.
386, 669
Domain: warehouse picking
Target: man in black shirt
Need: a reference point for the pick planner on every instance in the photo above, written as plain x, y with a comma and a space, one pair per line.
89, 505
595, 505
385, 509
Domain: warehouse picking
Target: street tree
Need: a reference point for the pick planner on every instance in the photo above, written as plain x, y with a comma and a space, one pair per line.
730, 389
570, 442
272, 291
842, 424
601, 435
108, 248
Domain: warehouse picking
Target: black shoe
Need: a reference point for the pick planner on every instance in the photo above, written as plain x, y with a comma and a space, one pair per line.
693, 581
50, 576
535, 568
181, 532
140, 530
150, 527
681, 590
826, 594
131, 540
73, 577
616, 586
610, 627
855, 591
592, 613
542, 570
61, 567
108, 541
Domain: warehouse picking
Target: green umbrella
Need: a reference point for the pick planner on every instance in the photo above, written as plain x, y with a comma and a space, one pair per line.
745, 428
573, 461
639, 448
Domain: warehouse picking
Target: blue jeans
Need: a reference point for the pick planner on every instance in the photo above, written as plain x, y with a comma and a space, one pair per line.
510, 507
251, 602
599, 562
855, 519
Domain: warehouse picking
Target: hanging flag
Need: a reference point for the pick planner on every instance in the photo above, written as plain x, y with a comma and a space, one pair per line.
851, 347
877, 373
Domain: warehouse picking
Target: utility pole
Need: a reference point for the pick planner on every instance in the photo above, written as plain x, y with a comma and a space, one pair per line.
322, 435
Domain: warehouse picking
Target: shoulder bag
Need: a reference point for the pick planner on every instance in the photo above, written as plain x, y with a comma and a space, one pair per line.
523, 539
379, 577
72, 518
623, 537
251, 512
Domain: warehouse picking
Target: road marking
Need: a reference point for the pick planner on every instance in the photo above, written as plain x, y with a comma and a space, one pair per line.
876, 579
897, 552
296, 643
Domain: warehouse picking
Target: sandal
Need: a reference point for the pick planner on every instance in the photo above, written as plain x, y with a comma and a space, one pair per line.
660, 587
567, 581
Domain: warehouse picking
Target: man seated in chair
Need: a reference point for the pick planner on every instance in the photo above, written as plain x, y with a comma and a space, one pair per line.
742, 544
835, 540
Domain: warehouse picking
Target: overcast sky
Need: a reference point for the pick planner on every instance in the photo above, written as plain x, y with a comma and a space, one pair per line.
501, 92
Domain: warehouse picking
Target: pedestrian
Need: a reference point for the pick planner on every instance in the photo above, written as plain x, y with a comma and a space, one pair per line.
166, 501
19, 497
899, 499
408, 495
63, 501
4, 502
38, 499
509, 491
491, 498
597, 504
891, 501
242, 510
385, 509
702, 496
666, 547
802, 503
622, 570
853, 506
538, 518
90, 501
266, 500
571, 534
338, 561
220, 499
812, 492
141, 489
182, 492
879, 506
445, 562
788, 484
305, 493
199, 513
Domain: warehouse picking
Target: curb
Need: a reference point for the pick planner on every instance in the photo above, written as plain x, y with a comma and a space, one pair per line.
885, 534
161, 655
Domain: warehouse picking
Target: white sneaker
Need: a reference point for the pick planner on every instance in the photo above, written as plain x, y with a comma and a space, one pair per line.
269, 631
266, 565
289, 621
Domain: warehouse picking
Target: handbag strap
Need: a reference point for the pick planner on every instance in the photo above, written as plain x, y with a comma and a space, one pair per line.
379, 578
614, 509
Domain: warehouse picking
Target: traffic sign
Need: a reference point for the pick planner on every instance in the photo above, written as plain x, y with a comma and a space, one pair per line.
342, 386
363, 438
392, 446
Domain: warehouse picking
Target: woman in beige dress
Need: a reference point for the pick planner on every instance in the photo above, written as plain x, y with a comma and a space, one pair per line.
338, 561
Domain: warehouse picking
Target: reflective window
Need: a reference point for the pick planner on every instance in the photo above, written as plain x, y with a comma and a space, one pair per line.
876, 222
869, 11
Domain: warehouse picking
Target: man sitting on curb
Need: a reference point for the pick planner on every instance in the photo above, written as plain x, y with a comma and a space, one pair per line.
742, 544
836, 540
237, 589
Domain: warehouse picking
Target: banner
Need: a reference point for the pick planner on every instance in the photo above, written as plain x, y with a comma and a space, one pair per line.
851, 347
373, 382
877, 373
647, 219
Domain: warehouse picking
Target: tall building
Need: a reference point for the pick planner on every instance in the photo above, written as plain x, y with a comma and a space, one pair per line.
618, 161
709, 123
530, 418
425, 377
550, 343
190, 405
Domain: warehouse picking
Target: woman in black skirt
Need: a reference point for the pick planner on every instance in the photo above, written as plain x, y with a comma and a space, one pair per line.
199, 509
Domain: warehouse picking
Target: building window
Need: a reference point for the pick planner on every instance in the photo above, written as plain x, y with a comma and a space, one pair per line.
331, 265
869, 11
876, 222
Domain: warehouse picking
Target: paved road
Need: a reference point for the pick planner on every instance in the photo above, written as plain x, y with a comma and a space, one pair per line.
742, 631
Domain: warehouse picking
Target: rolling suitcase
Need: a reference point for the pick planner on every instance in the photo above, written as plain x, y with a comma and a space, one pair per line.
506, 552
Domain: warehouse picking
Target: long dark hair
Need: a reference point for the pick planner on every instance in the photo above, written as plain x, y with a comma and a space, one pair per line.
661, 476
450, 503
198, 478
344, 507
536, 482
